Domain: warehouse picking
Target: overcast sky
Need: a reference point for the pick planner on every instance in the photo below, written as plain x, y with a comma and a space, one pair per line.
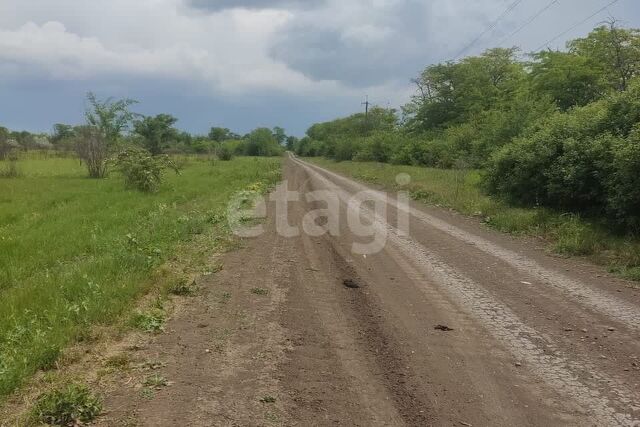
248, 63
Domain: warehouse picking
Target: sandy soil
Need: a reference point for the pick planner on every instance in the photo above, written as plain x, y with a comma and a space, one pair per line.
450, 325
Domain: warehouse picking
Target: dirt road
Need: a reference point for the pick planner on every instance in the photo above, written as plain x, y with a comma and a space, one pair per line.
449, 325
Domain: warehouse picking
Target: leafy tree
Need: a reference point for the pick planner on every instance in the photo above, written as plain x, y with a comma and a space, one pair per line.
567, 78
280, 135
261, 142
220, 134
106, 120
61, 131
291, 143
111, 117
614, 51
92, 150
156, 132
452, 92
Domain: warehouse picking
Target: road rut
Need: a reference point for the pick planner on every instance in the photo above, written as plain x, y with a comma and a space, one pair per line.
448, 324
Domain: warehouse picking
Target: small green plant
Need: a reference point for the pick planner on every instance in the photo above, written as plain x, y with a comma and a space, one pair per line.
151, 321
118, 362
147, 393
224, 297
141, 170
156, 381
268, 399
183, 287
67, 406
260, 291
49, 358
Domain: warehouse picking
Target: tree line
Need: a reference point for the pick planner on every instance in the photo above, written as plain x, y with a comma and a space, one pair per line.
558, 128
110, 126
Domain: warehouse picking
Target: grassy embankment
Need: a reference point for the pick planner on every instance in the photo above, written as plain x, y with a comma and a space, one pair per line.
76, 252
567, 234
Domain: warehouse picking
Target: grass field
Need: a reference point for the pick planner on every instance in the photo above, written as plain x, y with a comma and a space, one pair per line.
76, 252
460, 190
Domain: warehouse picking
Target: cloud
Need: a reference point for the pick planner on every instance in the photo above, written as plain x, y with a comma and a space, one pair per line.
238, 64
217, 5
305, 53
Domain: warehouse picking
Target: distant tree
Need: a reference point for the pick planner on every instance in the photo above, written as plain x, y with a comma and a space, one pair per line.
156, 131
61, 131
24, 139
62, 137
111, 117
219, 134
279, 134
5, 145
291, 143
261, 142
106, 120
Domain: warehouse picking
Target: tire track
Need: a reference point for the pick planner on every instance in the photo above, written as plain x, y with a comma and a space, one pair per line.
604, 400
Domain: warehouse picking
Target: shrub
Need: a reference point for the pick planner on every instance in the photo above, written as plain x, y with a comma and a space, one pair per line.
92, 149
225, 152
183, 287
67, 406
584, 161
11, 170
151, 321
141, 170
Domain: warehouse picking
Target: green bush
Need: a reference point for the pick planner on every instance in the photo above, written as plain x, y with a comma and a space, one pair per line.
67, 406
584, 161
225, 152
141, 170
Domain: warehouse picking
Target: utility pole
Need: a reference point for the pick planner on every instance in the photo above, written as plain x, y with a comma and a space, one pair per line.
366, 107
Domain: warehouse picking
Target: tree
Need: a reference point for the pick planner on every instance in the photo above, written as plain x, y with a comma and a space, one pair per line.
92, 149
6, 144
567, 78
111, 117
279, 135
60, 132
63, 137
291, 143
261, 142
451, 93
612, 50
219, 134
156, 131
106, 120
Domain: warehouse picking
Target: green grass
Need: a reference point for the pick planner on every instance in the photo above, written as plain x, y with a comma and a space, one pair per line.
76, 252
71, 405
567, 234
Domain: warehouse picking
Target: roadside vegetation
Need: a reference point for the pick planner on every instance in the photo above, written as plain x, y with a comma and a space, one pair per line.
461, 190
89, 217
78, 252
548, 145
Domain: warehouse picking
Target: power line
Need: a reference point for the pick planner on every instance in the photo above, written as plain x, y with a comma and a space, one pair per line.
490, 27
577, 25
530, 20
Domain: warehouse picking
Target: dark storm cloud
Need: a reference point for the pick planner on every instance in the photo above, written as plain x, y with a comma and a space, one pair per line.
369, 52
217, 5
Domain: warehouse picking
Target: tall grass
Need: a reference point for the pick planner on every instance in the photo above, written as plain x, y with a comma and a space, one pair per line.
567, 234
76, 252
